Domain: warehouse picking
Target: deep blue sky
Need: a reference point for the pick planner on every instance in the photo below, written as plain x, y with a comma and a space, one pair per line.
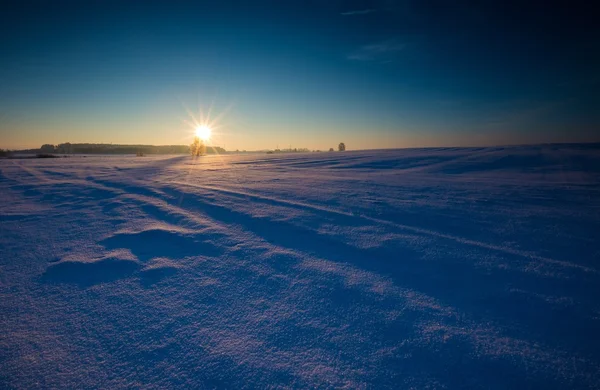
307, 74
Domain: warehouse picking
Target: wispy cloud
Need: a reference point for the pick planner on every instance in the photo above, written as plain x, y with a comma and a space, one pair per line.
359, 12
377, 51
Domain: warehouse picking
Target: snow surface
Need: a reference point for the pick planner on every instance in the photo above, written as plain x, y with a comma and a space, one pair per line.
423, 268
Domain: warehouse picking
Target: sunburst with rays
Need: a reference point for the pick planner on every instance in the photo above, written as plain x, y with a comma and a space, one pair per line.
205, 129
203, 125
203, 132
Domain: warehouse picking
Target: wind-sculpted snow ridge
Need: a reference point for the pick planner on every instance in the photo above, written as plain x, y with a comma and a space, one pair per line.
422, 268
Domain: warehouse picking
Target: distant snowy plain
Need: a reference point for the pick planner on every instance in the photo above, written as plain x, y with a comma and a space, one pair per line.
422, 268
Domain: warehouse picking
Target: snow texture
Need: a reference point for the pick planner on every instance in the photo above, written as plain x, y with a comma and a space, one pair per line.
422, 268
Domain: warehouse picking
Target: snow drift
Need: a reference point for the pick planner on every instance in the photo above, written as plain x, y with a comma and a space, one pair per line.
376, 269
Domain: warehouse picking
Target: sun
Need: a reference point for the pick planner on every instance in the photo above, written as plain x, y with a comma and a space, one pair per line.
203, 132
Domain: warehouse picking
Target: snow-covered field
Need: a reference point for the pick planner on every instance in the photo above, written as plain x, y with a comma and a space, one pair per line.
431, 268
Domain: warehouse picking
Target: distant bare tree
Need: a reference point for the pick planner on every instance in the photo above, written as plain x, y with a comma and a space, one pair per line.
197, 148
331, 149
342, 147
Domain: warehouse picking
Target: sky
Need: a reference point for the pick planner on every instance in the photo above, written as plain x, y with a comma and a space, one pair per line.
305, 74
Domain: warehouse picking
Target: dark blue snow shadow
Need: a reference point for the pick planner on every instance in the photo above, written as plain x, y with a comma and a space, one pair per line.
111, 206
452, 362
125, 187
65, 195
86, 274
153, 243
542, 160
55, 174
18, 217
399, 163
451, 280
162, 215
151, 276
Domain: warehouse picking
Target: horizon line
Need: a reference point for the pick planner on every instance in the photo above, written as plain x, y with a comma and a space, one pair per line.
324, 150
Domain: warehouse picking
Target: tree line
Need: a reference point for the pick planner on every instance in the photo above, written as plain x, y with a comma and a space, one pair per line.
88, 148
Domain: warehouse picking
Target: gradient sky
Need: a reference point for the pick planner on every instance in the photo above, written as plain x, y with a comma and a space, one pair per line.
374, 74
